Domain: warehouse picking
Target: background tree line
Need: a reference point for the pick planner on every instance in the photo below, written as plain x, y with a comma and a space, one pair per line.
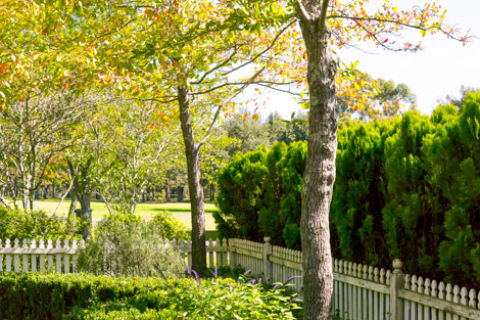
102, 146
407, 187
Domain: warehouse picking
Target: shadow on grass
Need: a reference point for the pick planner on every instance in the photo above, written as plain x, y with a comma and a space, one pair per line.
182, 210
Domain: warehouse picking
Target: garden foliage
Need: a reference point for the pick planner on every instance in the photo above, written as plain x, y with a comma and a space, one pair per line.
125, 245
18, 224
406, 187
80, 296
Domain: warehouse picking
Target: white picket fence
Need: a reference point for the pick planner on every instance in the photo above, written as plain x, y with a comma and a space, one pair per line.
30, 255
217, 251
360, 292
363, 292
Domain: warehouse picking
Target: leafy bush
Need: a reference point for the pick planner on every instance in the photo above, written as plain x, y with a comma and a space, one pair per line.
18, 224
169, 228
125, 245
79, 296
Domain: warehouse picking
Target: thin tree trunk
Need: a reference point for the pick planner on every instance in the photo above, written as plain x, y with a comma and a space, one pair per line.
70, 186
180, 194
4, 201
319, 173
45, 192
199, 261
212, 192
86, 214
167, 193
73, 205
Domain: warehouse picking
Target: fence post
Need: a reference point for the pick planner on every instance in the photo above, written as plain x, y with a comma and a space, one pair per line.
396, 283
267, 265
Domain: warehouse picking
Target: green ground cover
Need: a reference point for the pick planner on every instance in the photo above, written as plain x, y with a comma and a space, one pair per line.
180, 211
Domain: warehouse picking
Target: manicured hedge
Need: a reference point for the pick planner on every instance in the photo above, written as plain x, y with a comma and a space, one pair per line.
406, 187
81, 296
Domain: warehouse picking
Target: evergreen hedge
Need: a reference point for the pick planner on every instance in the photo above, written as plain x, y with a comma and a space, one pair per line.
406, 187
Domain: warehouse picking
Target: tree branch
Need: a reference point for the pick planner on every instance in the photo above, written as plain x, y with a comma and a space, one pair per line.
250, 81
323, 15
224, 102
225, 62
265, 50
395, 22
302, 11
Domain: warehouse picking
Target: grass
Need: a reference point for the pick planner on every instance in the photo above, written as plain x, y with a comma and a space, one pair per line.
181, 210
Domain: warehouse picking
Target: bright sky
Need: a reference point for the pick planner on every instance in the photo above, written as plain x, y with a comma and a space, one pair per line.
440, 69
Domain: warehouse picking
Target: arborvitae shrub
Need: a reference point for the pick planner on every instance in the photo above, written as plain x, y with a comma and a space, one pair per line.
406, 187
241, 192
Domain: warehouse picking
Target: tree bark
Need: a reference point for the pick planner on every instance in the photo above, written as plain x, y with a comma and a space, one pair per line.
212, 192
86, 214
45, 191
180, 194
73, 205
167, 193
4, 201
319, 173
199, 260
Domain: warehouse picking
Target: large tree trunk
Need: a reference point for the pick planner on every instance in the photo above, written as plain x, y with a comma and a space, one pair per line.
199, 260
319, 173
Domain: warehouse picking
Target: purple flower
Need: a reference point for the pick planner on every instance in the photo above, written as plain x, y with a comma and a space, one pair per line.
197, 277
215, 272
294, 299
275, 287
247, 272
289, 280
252, 281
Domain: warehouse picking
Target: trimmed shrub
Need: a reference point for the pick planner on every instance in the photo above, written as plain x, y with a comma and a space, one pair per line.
168, 228
18, 224
80, 296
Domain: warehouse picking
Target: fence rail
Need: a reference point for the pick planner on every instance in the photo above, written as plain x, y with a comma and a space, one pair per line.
360, 292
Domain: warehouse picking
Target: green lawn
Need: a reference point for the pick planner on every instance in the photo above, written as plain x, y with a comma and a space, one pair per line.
181, 211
